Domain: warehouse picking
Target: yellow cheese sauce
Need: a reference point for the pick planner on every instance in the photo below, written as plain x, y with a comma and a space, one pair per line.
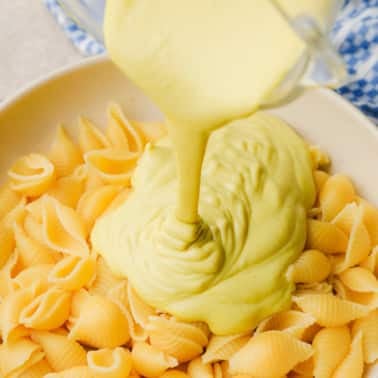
229, 269
214, 244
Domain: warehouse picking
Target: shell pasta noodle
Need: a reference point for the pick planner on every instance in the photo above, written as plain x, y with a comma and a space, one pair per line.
65, 314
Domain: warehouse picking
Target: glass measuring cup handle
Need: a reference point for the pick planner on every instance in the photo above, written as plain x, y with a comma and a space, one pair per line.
320, 65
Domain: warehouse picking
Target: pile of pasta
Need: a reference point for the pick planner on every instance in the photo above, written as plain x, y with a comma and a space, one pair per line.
64, 314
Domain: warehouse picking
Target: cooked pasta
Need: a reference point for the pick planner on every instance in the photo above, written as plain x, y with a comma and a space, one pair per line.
360, 280
68, 189
291, 321
184, 341
311, 266
149, 361
335, 194
64, 153
16, 357
121, 133
105, 279
259, 355
326, 237
61, 353
91, 137
97, 322
48, 311
73, 273
223, 347
75, 372
331, 345
108, 363
353, 363
64, 230
368, 326
330, 311
32, 175
64, 314
359, 245
94, 202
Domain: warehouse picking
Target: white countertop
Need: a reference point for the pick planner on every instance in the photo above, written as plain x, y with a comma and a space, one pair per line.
31, 44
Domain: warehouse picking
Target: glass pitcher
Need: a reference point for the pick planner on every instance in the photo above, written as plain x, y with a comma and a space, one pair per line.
311, 19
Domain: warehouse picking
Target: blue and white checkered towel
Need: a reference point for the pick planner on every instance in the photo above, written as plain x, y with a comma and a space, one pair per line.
355, 35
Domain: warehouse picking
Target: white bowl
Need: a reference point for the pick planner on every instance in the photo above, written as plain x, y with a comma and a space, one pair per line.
28, 120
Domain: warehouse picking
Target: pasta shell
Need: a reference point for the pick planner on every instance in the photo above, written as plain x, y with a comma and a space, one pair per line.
32, 175
7, 242
38, 370
112, 166
10, 311
140, 310
353, 364
174, 373
325, 237
320, 160
64, 231
75, 372
105, 279
9, 270
36, 274
18, 356
73, 273
345, 218
149, 361
358, 246
320, 178
30, 251
311, 266
118, 200
331, 345
121, 133
48, 311
61, 353
68, 189
34, 228
223, 347
305, 368
184, 341
371, 262
8, 200
314, 288
97, 322
94, 202
64, 154
90, 137
225, 366
291, 321
368, 326
370, 218
330, 311
151, 131
360, 280
119, 295
259, 355
198, 369
335, 194
108, 363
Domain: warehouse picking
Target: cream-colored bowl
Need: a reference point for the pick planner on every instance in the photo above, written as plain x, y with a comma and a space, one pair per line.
28, 120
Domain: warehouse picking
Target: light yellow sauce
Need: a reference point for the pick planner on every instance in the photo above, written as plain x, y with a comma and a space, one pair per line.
228, 270
205, 63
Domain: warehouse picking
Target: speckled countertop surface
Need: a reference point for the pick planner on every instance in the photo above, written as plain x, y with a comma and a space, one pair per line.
31, 44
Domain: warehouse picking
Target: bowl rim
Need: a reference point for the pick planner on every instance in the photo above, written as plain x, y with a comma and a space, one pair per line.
60, 72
